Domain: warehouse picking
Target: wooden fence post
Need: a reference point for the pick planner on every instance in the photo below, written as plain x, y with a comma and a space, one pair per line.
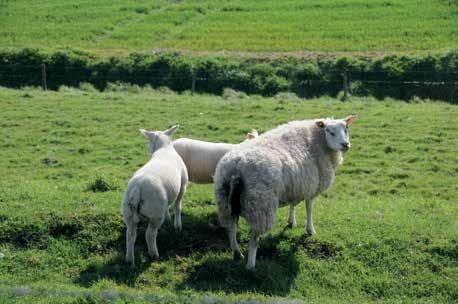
193, 84
43, 77
346, 85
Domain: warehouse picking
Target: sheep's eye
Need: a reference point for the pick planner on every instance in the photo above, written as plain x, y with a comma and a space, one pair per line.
346, 130
332, 133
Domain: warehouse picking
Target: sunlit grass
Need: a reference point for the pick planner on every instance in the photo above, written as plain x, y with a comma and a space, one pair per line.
387, 229
109, 27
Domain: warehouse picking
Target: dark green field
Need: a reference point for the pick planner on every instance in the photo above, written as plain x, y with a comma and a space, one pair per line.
120, 26
386, 232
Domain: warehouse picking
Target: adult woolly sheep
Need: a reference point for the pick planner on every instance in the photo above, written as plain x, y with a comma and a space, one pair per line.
160, 182
201, 157
284, 166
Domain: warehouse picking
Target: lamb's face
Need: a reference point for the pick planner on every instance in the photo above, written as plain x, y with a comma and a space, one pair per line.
337, 133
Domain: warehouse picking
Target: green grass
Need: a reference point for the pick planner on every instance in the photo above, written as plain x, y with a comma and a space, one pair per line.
387, 230
119, 26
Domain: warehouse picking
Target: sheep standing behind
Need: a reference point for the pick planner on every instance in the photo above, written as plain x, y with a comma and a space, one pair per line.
160, 182
201, 157
286, 165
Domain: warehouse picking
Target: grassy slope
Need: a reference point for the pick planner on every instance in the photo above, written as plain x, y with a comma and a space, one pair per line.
387, 230
255, 26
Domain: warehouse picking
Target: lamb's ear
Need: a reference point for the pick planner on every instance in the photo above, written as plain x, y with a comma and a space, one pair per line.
320, 123
171, 131
144, 132
350, 120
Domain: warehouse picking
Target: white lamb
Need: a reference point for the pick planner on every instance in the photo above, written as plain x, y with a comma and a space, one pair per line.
201, 157
160, 182
284, 166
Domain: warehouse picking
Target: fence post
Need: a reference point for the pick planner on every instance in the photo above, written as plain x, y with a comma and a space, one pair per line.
43, 77
346, 85
452, 95
193, 84
304, 84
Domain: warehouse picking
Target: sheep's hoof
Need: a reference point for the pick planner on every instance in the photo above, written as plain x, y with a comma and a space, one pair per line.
249, 267
154, 256
237, 255
130, 264
311, 232
178, 227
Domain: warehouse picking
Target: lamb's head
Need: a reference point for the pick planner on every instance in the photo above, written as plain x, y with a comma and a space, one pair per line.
159, 139
336, 132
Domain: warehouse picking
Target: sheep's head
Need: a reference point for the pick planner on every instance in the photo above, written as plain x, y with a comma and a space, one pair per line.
159, 139
336, 132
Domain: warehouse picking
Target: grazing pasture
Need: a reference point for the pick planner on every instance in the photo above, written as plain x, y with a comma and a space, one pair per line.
387, 230
119, 26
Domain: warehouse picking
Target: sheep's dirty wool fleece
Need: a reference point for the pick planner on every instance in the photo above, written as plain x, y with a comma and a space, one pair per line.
287, 164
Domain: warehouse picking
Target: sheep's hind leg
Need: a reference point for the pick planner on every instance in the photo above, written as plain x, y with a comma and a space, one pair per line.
131, 236
232, 232
310, 228
151, 236
292, 216
252, 249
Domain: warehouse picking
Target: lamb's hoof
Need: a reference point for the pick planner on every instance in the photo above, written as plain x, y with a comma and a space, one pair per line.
154, 257
311, 232
249, 267
178, 227
292, 225
237, 255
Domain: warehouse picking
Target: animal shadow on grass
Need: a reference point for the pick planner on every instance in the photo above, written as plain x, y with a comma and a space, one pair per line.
200, 234
276, 269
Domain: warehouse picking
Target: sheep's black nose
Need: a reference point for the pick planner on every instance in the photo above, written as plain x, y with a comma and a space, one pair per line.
345, 146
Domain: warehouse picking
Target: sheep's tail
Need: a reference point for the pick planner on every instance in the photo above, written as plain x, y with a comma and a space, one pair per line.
235, 190
133, 202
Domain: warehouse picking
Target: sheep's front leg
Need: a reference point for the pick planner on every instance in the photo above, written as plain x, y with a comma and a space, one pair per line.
310, 228
151, 235
177, 208
131, 236
252, 248
232, 232
292, 216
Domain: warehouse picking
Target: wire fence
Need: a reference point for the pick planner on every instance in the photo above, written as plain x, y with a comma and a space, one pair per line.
379, 83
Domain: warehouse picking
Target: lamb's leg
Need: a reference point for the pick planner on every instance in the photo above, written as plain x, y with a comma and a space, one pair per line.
151, 235
177, 208
131, 236
252, 248
232, 232
292, 216
168, 218
310, 229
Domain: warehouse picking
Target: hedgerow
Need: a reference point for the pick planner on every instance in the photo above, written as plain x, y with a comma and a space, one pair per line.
431, 76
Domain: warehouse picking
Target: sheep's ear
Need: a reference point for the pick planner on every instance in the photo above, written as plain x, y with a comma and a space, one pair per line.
320, 123
252, 135
171, 131
350, 120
